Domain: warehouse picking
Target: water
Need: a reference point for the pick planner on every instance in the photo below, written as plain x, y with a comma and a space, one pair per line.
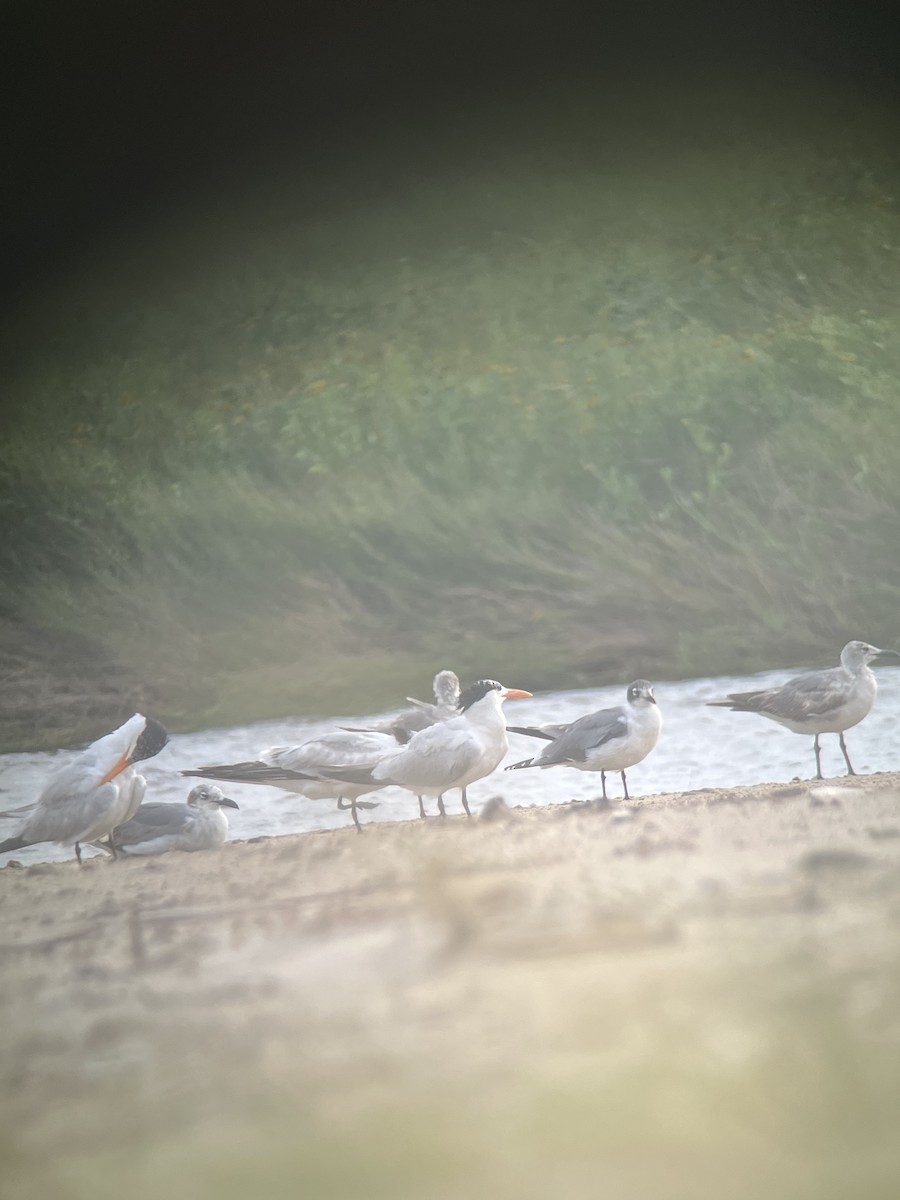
699, 747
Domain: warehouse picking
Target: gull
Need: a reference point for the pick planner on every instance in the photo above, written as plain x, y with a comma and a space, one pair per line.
451, 754
299, 768
98, 790
200, 824
423, 713
609, 740
817, 702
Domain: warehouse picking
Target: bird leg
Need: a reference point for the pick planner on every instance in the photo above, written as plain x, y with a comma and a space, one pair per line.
850, 770
343, 804
625, 786
603, 784
78, 852
422, 812
466, 803
818, 750
441, 808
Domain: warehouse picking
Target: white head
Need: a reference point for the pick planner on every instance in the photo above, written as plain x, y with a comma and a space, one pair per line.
446, 688
207, 795
856, 655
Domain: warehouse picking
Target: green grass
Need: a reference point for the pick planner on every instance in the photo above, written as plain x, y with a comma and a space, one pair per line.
531, 394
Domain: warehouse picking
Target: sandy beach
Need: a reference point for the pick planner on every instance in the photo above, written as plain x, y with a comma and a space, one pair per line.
686, 995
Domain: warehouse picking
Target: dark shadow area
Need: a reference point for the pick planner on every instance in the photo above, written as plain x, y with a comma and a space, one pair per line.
117, 111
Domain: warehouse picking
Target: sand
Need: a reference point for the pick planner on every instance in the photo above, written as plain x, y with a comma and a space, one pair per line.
536, 1000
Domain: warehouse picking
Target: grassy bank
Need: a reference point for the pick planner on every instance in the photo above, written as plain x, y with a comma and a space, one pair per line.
558, 395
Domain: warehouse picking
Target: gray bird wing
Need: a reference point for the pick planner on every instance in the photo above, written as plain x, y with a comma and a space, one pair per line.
410, 721
547, 732
813, 694
61, 816
289, 767
150, 821
414, 720
434, 758
249, 772
331, 750
586, 734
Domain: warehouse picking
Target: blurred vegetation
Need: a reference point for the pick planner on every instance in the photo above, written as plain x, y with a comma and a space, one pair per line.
561, 394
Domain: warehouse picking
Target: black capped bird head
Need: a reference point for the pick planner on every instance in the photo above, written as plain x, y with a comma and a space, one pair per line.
640, 690
477, 691
151, 741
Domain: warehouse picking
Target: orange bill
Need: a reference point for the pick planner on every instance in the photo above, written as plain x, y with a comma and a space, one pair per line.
517, 694
124, 761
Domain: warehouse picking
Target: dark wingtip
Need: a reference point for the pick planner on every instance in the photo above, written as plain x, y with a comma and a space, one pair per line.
249, 772
530, 731
526, 762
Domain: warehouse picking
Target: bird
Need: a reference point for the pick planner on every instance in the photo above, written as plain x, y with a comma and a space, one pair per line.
611, 739
423, 713
451, 754
403, 725
827, 701
299, 768
199, 824
99, 789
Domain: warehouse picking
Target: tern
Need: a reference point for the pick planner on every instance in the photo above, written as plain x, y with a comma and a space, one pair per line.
98, 790
423, 713
609, 740
450, 754
199, 824
299, 768
818, 702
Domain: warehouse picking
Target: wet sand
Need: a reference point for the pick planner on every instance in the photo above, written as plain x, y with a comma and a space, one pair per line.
562, 997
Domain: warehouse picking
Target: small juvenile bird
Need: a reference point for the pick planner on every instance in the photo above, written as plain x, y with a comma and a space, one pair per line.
827, 701
423, 713
611, 739
98, 790
199, 824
